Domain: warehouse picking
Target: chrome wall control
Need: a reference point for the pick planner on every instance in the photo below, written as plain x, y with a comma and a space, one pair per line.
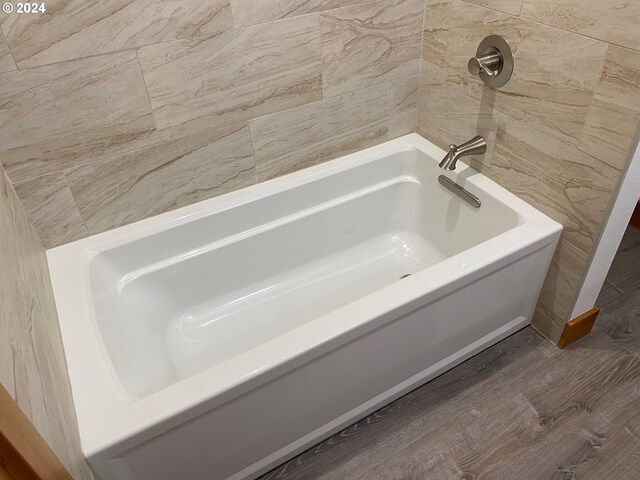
493, 62
465, 195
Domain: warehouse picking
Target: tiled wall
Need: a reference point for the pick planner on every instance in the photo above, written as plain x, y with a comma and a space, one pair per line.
32, 364
560, 131
115, 110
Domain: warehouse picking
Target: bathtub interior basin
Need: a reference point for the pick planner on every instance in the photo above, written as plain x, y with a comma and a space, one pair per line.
167, 313
217, 340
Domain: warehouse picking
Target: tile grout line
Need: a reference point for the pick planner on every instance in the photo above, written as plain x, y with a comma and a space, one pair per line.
206, 36
93, 55
135, 47
389, 105
13, 58
253, 153
18, 208
30, 213
246, 122
10, 189
424, 25
381, 84
319, 12
425, 8
462, 92
146, 90
75, 204
130, 152
17, 184
592, 93
200, 37
519, 16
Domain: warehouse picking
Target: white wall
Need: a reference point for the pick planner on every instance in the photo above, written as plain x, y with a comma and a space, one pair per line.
611, 235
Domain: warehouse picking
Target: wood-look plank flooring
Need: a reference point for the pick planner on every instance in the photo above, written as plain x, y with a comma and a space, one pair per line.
520, 410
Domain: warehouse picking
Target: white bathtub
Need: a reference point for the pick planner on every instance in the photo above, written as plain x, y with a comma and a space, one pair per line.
218, 340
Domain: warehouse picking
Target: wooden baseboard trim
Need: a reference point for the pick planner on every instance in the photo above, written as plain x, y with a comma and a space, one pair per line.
24, 454
4, 475
635, 218
577, 328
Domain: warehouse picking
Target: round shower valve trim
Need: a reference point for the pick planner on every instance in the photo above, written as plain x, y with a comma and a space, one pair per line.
493, 62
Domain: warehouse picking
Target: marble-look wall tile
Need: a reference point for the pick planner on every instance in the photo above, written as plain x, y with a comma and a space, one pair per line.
80, 28
248, 12
370, 44
30, 341
552, 93
233, 76
403, 112
559, 290
614, 21
463, 26
614, 115
512, 7
51, 209
620, 81
6, 60
133, 186
434, 39
447, 116
568, 116
50, 399
54, 117
10, 296
570, 186
16, 320
609, 133
308, 135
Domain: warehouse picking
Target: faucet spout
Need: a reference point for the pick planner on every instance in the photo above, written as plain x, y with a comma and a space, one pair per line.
477, 145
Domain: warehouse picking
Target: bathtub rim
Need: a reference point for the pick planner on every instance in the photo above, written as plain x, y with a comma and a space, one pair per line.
110, 423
